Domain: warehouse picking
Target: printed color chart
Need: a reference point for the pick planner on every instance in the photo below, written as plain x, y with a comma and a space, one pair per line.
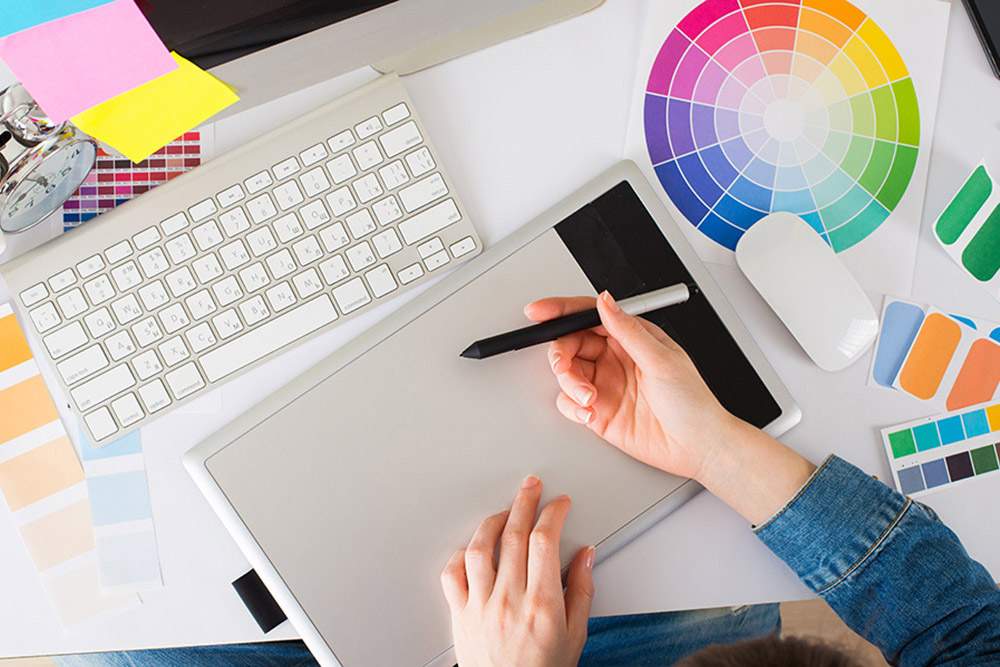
116, 180
804, 106
933, 453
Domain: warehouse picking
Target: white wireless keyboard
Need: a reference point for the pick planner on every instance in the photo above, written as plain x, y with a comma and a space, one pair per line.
218, 270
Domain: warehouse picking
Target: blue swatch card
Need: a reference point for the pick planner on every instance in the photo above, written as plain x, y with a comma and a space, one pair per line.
23, 14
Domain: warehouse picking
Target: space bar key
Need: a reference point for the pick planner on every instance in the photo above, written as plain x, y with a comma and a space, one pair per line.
267, 338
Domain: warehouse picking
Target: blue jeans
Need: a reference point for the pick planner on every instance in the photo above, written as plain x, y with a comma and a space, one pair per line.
639, 639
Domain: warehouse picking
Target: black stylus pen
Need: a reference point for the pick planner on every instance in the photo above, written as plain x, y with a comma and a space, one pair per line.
587, 319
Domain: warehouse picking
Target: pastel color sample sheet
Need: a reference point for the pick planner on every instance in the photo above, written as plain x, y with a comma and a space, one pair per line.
969, 229
139, 122
803, 106
18, 16
116, 180
127, 558
42, 484
931, 454
77, 62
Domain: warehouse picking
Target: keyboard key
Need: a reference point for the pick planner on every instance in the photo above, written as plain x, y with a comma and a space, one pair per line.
387, 243
429, 222
268, 337
288, 227
307, 251
387, 211
341, 201
258, 182
200, 337
285, 168
261, 241
368, 188
180, 282
410, 273
334, 237
230, 196
334, 270
174, 318
207, 268
118, 252
254, 310
146, 238
351, 295
307, 283
174, 224
72, 303
102, 387
234, 222
262, 208
394, 174
101, 424
288, 195
420, 162
202, 210
153, 295
62, 280
423, 192
437, 261
173, 351
120, 345
201, 304
208, 235
281, 263
99, 290
369, 127
147, 332
314, 182
254, 277
91, 265
127, 410
184, 381
361, 223
34, 294
280, 297
65, 340
227, 291
99, 322
314, 214
234, 255
341, 141
45, 317
402, 138
126, 309
147, 365
83, 365
312, 155
341, 169
396, 114
227, 323
360, 256
126, 276
367, 155
380, 281
428, 248
181, 249
154, 262
463, 247
154, 396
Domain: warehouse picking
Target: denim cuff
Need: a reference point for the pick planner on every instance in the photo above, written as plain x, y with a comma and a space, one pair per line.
836, 523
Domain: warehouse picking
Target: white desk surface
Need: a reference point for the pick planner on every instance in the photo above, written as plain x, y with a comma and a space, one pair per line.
519, 126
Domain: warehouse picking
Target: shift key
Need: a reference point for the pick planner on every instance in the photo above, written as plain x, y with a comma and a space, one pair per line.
102, 387
429, 222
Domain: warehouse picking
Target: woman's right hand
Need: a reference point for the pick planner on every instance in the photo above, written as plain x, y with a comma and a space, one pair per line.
636, 388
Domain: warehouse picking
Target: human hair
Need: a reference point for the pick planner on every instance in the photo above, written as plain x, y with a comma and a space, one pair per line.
769, 651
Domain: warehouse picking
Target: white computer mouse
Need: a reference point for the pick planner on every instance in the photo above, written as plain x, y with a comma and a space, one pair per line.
809, 288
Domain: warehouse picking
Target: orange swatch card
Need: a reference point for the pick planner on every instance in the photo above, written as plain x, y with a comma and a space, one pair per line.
930, 356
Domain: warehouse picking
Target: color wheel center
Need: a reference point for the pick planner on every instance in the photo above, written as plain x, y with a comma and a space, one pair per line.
784, 120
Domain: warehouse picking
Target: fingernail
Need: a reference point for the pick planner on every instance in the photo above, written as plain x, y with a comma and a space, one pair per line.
590, 558
555, 360
610, 301
585, 415
584, 396
529, 482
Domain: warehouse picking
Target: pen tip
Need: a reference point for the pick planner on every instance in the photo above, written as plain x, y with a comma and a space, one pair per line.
471, 352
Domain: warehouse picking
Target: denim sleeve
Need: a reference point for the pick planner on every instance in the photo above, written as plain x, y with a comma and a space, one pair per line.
889, 568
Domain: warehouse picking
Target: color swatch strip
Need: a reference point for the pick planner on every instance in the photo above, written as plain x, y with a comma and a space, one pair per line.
127, 557
969, 229
929, 454
42, 483
950, 360
116, 180
803, 106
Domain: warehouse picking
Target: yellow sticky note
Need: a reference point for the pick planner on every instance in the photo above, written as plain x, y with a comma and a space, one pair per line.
147, 118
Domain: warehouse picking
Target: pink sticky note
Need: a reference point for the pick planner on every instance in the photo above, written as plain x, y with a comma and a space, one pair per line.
74, 63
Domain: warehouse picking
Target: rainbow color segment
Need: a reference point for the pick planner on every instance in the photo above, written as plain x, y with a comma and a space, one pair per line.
805, 106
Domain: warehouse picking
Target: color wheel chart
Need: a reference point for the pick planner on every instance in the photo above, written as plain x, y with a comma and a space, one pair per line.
806, 106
